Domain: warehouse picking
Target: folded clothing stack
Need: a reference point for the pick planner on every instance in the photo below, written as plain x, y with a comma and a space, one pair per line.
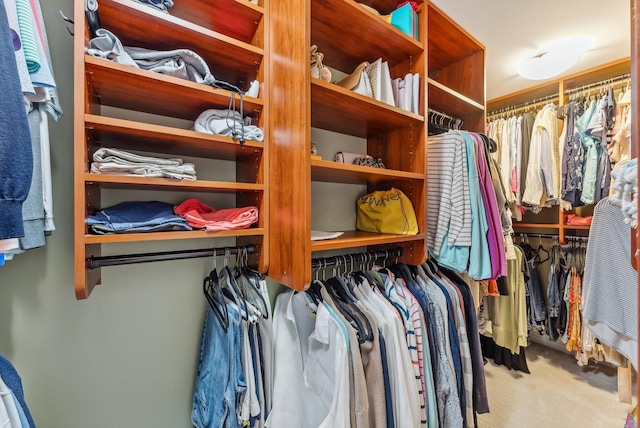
163, 5
228, 123
114, 161
180, 63
201, 216
131, 217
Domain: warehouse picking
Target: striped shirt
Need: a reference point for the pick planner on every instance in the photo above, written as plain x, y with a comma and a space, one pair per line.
610, 293
448, 201
409, 308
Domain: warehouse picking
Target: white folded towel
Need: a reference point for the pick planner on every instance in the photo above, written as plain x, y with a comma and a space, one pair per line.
114, 161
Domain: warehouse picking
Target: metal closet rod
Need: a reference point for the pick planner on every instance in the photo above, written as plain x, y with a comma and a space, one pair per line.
445, 115
531, 103
605, 82
128, 259
537, 235
549, 236
322, 262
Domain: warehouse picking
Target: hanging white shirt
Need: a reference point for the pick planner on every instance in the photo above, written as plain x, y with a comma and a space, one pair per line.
311, 386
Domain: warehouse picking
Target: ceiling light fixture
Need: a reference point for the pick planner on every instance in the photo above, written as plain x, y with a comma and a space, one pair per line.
554, 58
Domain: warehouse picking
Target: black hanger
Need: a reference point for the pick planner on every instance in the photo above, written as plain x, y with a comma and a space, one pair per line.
248, 281
341, 299
314, 292
539, 250
215, 299
230, 287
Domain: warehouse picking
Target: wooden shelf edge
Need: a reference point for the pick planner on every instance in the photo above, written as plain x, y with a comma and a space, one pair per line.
91, 61
434, 9
105, 123
203, 185
577, 227
326, 86
168, 236
539, 225
371, 171
455, 94
353, 239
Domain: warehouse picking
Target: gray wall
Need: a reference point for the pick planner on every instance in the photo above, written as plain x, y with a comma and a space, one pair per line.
127, 356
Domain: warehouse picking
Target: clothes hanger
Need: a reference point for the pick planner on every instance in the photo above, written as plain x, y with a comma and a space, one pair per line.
538, 251
248, 282
228, 284
215, 298
336, 290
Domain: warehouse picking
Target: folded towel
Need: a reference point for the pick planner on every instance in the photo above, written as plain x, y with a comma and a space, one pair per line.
228, 123
201, 216
114, 161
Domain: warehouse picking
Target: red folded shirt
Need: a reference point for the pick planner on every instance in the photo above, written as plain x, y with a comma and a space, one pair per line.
202, 216
576, 220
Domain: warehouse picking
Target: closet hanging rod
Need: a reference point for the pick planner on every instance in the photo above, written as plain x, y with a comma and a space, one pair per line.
439, 113
549, 236
532, 103
347, 259
602, 83
577, 238
94, 262
536, 235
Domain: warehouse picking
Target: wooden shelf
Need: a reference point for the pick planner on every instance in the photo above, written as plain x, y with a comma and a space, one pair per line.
107, 181
337, 109
577, 227
127, 134
354, 43
334, 172
227, 58
447, 100
166, 236
351, 239
240, 19
538, 225
450, 42
131, 88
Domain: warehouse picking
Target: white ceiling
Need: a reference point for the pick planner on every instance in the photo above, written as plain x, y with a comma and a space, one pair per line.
511, 29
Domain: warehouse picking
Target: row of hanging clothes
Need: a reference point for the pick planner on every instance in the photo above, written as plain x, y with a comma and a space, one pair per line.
542, 165
468, 216
560, 310
527, 148
234, 379
596, 134
440, 122
29, 97
393, 346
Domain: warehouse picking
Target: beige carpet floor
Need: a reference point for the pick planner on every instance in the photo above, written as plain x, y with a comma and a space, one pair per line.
557, 393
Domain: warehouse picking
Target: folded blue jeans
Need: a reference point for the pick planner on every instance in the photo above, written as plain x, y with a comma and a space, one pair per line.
137, 217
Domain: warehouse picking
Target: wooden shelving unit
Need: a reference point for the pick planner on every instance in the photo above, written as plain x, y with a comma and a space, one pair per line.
558, 88
230, 37
341, 110
451, 78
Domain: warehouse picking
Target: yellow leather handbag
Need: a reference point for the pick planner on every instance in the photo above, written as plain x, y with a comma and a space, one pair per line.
386, 211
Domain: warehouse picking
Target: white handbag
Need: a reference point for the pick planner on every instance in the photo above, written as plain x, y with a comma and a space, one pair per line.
358, 81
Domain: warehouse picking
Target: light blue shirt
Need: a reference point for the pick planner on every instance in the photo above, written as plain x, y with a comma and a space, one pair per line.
479, 256
590, 167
